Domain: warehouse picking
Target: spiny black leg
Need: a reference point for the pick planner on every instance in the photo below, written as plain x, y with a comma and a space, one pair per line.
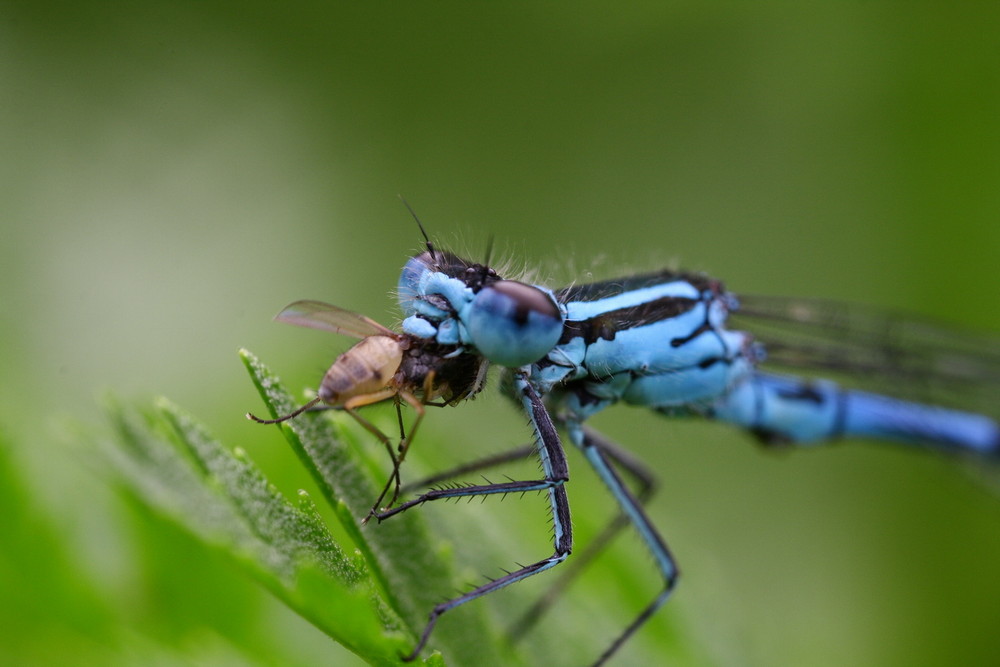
647, 487
556, 472
484, 463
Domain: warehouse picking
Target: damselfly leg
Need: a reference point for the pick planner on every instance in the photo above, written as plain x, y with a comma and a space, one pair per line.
556, 474
645, 485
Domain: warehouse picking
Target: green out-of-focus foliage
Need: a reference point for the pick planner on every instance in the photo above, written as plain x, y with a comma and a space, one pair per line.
172, 174
223, 499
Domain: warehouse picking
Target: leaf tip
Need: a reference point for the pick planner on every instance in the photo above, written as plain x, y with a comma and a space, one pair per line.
164, 404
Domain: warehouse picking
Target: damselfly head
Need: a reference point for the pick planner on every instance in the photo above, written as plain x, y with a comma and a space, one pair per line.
509, 322
423, 266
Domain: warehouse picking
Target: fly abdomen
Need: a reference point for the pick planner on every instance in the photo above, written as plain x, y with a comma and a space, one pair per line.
366, 368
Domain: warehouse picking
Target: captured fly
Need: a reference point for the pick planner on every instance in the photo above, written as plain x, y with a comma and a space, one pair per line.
384, 365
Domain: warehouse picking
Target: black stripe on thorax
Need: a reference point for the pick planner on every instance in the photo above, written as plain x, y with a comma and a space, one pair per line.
607, 325
616, 286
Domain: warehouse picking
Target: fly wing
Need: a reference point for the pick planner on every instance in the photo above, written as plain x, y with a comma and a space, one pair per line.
893, 353
319, 315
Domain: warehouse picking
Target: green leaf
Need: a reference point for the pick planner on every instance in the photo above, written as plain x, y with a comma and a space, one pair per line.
372, 595
399, 552
223, 499
51, 609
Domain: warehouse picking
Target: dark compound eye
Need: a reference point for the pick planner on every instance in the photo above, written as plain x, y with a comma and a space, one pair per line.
513, 324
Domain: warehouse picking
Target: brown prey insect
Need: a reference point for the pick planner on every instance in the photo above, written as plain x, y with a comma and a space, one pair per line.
384, 365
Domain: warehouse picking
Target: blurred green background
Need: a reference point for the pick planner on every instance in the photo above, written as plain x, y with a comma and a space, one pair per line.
173, 174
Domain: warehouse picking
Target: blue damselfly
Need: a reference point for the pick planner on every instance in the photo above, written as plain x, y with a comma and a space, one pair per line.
661, 340
658, 340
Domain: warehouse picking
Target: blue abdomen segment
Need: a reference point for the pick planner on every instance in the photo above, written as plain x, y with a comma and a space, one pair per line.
788, 409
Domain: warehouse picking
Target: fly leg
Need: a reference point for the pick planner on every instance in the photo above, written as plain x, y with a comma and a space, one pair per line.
351, 407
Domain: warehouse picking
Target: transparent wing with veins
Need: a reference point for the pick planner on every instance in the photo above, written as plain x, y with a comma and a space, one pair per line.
326, 317
893, 353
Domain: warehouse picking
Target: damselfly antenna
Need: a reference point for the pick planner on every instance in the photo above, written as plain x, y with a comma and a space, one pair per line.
423, 232
489, 249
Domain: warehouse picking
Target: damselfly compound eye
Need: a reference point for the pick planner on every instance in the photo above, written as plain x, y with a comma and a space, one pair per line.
513, 324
